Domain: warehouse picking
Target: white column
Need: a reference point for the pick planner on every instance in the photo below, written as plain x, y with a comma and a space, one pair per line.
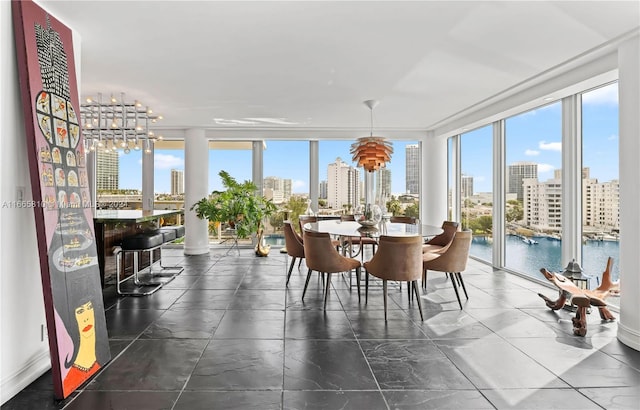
148, 190
571, 180
314, 174
499, 195
629, 102
433, 180
257, 164
196, 175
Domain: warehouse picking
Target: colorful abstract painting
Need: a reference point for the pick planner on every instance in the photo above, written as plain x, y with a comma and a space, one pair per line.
78, 339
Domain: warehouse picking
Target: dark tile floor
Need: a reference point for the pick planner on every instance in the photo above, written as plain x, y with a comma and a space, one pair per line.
228, 334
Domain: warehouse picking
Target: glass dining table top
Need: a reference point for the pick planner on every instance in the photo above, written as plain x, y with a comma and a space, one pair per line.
352, 228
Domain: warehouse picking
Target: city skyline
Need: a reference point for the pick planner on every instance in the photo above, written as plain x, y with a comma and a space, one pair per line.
282, 159
536, 136
531, 136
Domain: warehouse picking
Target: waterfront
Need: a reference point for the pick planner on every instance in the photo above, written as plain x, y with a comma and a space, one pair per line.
528, 259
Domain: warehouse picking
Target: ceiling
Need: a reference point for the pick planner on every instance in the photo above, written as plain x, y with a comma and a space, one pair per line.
310, 65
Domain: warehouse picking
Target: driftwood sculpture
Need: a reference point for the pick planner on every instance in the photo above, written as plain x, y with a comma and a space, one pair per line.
582, 298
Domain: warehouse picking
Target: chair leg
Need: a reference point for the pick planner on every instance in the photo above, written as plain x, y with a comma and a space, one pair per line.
299, 262
455, 287
417, 292
424, 280
358, 280
293, 261
306, 283
326, 292
384, 296
408, 292
459, 275
366, 287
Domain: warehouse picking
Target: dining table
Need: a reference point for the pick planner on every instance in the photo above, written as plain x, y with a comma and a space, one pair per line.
354, 229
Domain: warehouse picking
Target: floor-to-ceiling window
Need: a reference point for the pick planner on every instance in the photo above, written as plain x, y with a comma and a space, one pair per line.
286, 180
168, 178
600, 181
476, 189
118, 177
533, 143
237, 162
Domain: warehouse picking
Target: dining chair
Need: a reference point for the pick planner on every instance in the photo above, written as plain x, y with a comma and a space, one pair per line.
293, 245
322, 257
399, 258
305, 219
452, 261
439, 243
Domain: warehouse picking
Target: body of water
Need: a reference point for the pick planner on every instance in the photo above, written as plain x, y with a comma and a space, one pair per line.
528, 259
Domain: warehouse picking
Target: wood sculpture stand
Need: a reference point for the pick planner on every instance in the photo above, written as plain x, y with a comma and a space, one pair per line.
582, 298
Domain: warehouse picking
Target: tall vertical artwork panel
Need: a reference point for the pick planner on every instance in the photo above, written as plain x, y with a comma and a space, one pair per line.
78, 339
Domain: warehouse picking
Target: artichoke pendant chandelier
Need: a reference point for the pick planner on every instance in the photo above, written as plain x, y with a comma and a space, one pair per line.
371, 153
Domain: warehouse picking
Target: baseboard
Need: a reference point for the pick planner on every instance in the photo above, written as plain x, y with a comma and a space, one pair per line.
628, 336
16, 382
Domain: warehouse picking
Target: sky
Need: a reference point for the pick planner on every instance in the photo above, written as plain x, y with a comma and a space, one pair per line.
536, 136
531, 136
284, 159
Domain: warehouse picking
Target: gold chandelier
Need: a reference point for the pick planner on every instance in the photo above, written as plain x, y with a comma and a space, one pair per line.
371, 153
117, 125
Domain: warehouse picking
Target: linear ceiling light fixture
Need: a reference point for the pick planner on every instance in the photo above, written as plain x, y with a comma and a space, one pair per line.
116, 124
371, 153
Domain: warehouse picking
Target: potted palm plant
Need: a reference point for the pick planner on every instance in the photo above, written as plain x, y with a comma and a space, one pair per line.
238, 205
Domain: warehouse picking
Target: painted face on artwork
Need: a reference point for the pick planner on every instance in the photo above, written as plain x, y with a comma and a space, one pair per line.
86, 320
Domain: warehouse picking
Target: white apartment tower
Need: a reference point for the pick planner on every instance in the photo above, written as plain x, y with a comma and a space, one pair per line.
601, 204
277, 189
383, 183
177, 182
519, 171
466, 188
413, 168
107, 170
542, 204
322, 194
343, 188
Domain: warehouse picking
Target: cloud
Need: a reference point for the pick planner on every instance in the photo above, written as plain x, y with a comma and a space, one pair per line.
531, 153
551, 146
604, 95
164, 161
544, 168
612, 137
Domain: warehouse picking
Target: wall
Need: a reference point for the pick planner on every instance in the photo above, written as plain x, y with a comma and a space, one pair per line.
24, 353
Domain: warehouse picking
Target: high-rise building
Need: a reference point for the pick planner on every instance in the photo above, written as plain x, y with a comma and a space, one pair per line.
542, 204
277, 189
107, 170
466, 188
601, 204
413, 168
383, 183
343, 185
519, 171
177, 182
322, 194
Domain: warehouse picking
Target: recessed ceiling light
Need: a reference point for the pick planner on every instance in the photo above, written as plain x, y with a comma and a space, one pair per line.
548, 99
